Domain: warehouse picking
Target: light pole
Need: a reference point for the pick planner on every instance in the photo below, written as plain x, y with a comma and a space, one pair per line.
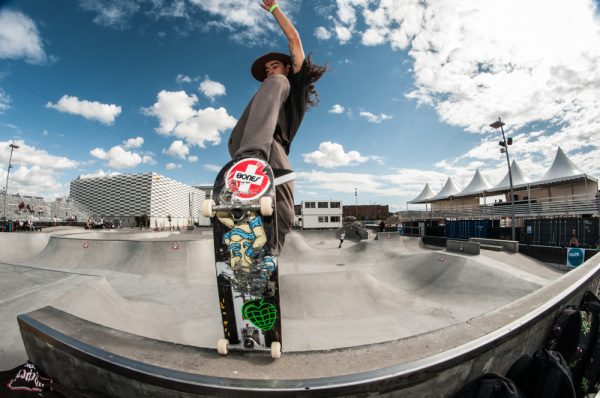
12, 147
356, 201
504, 144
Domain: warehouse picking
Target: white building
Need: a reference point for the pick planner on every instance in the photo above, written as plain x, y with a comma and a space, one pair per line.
131, 197
321, 214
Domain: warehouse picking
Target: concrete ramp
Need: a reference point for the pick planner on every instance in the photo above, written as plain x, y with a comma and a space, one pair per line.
173, 258
100, 302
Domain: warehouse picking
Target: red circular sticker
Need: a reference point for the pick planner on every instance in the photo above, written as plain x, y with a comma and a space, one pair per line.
247, 179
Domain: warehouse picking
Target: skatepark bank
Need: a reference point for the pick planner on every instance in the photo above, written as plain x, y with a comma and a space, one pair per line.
374, 316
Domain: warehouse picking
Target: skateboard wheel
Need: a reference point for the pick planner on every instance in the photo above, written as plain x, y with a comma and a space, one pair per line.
266, 206
207, 208
275, 350
222, 346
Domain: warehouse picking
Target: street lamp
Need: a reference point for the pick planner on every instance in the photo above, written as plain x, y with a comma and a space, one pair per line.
356, 200
504, 149
12, 147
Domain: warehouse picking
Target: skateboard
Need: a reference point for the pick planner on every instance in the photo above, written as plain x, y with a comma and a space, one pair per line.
242, 210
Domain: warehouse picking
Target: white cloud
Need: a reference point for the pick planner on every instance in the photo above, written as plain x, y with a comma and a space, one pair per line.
322, 33
211, 89
30, 155
20, 38
172, 166
178, 118
343, 34
183, 79
147, 159
105, 113
117, 157
527, 62
399, 185
248, 22
213, 167
4, 101
337, 109
112, 14
374, 118
332, 155
192, 159
133, 142
100, 173
177, 149
35, 171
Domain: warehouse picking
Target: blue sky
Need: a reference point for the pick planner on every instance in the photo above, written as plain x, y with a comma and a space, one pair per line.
99, 87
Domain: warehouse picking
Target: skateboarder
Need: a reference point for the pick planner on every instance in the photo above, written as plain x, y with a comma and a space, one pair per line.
272, 117
342, 236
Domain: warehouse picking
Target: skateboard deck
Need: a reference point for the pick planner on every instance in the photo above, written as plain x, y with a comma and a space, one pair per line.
242, 210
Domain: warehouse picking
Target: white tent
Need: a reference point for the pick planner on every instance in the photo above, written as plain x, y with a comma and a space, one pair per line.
424, 196
519, 179
447, 191
477, 185
562, 169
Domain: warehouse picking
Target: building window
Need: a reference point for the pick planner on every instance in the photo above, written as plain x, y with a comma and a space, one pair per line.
335, 218
309, 205
323, 219
323, 205
335, 205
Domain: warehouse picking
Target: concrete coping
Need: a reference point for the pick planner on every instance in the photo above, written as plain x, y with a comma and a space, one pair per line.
461, 246
508, 245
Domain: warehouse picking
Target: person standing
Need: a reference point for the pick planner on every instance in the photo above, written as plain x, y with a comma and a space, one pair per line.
342, 236
573, 242
271, 119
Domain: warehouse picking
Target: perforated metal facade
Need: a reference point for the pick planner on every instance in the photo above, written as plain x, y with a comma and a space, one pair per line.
126, 196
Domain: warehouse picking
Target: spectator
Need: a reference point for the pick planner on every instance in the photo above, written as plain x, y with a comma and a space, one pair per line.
382, 226
573, 242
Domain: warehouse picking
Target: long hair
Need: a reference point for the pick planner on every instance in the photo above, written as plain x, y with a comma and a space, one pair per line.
314, 73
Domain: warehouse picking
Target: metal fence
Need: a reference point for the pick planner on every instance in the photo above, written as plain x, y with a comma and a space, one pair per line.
574, 205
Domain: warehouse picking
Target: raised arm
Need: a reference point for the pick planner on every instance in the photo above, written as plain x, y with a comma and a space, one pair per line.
290, 32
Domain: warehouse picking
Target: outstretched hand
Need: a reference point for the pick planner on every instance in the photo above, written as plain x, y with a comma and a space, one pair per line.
267, 4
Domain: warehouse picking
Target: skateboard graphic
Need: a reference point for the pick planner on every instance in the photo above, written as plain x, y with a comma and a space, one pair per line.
244, 230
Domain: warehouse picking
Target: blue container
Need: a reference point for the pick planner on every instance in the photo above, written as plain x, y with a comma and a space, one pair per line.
465, 229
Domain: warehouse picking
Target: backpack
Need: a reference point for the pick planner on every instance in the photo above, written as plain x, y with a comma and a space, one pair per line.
576, 335
490, 385
26, 381
544, 374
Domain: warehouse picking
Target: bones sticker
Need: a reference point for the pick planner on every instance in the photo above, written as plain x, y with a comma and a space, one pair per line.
247, 179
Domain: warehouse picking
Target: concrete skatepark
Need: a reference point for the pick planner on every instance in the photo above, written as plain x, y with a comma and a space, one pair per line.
374, 316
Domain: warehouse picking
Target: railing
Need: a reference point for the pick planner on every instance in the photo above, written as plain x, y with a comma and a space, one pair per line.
544, 207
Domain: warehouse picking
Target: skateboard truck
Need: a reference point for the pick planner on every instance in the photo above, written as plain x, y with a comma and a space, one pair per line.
265, 206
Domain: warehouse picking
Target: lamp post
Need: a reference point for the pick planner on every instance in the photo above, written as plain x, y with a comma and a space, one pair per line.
504, 144
356, 201
12, 147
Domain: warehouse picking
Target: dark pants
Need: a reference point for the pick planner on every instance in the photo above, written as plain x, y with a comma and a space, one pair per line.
253, 136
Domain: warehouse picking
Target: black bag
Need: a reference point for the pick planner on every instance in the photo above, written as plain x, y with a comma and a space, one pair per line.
576, 335
490, 385
544, 374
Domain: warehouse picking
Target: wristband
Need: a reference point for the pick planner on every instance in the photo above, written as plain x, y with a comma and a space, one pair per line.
273, 7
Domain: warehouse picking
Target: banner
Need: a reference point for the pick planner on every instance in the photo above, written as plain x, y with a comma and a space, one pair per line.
575, 257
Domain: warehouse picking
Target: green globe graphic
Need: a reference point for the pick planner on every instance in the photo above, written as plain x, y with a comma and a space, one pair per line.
262, 314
